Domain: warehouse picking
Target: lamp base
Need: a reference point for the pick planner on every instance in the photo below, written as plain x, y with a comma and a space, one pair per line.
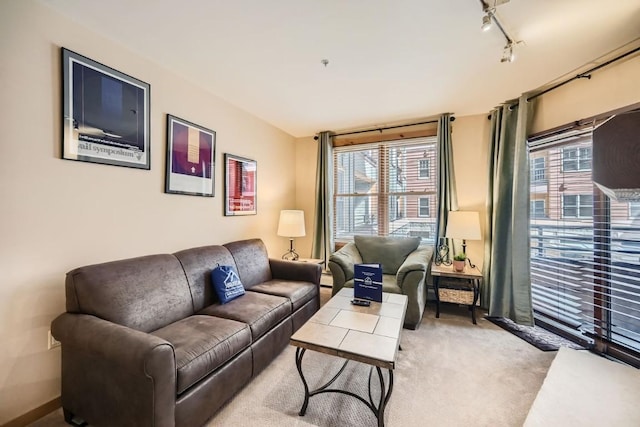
291, 254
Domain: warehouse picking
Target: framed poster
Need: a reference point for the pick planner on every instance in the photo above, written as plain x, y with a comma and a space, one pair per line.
105, 114
240, 191
191, 153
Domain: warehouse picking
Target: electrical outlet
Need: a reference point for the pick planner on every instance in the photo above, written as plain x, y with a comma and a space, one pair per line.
51, 341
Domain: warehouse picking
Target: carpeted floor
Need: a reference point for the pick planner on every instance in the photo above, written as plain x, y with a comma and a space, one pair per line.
449, 373
535, 335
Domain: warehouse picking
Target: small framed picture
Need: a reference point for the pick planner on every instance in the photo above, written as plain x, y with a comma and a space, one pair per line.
240, 192
105, 114
191, 153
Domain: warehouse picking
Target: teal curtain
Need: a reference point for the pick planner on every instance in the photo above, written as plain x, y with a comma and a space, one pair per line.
323, 218
507, 274
447, 196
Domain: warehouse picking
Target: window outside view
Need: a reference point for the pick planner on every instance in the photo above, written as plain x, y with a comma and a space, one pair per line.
585, 248
386, 189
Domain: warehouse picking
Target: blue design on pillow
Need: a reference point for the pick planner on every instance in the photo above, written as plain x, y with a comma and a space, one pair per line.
226, 283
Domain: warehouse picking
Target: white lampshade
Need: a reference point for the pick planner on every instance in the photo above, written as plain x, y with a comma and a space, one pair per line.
463, 225
291, 223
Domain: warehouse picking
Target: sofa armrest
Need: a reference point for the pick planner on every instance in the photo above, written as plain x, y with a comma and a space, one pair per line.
295, 270
113, 372
417, 260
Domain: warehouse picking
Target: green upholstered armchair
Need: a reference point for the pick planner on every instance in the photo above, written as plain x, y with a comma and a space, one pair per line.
405, 267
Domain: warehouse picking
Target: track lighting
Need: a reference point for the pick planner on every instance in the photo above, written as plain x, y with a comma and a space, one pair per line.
507, 53
486, 22
490, 18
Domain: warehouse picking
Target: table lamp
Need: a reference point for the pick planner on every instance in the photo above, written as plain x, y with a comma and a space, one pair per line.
291, 225
463, 225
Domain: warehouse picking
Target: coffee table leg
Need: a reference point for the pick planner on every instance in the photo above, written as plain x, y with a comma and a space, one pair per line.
299, 353
385, 394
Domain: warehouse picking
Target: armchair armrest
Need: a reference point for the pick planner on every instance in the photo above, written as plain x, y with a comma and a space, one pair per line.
341, 265
417, 260
295, 270
105, 365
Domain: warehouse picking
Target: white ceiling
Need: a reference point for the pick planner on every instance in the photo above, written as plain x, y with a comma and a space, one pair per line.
389, 60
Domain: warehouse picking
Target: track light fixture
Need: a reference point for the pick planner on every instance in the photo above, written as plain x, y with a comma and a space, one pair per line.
507, 53
488, 19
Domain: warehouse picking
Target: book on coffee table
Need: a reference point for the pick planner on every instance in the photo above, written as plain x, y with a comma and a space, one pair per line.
367, 282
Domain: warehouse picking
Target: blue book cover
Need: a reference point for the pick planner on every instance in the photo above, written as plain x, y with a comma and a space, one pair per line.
367, 282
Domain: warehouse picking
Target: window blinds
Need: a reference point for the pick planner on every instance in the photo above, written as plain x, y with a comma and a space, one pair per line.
585, 248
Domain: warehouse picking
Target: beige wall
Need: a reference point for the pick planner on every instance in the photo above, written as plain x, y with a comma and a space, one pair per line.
612, 87
57, 214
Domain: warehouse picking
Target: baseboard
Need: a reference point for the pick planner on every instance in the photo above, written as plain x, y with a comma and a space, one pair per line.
35, 414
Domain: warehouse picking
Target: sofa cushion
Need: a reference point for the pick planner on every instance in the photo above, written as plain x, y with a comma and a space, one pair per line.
143, 293
202, 344
197, 264
252, 261
299, 293
226, 283
260, 311
390, 252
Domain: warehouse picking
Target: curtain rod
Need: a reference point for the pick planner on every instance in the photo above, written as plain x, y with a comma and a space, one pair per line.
586, 74
385, 128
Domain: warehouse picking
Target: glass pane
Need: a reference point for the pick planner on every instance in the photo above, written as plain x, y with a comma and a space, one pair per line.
404, 168
357, 172
406, 220
355, 215
585, 253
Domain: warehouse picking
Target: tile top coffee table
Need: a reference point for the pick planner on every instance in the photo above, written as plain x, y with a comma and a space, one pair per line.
370, 335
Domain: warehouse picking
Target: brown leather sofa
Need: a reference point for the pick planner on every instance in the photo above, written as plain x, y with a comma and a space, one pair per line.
146, 343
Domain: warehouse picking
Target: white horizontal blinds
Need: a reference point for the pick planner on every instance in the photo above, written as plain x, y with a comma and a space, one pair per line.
585, 248
386, 188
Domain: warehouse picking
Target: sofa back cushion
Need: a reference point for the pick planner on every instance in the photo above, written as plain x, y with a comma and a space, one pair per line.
388, 251
252, 261
197, 264
143, 293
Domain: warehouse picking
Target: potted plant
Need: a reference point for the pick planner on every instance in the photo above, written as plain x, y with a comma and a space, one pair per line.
459, 261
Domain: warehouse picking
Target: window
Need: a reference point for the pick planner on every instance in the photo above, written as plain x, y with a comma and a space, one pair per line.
538, 171
577, 205
381, 189
423, 207
576, 159
585, 252
537, 209
423, 168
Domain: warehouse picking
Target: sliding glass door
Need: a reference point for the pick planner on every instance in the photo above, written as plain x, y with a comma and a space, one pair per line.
585, 249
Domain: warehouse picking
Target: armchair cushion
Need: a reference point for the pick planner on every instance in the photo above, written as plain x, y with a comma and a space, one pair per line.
391, 252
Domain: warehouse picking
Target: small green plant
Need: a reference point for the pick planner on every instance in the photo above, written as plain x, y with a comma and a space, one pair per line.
460, 257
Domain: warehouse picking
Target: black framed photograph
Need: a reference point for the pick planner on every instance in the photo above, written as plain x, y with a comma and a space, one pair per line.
191, 153
105, 114
240, 191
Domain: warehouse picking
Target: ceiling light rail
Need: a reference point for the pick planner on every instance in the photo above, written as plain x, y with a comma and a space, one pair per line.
491, 17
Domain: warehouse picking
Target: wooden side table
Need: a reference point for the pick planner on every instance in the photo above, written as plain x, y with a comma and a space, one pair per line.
463, 289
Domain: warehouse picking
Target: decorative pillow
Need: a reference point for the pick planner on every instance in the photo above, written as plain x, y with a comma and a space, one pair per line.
226, 283
390, 252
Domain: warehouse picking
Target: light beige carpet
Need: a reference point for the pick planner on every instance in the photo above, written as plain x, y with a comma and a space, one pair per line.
582, 389
449, 373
